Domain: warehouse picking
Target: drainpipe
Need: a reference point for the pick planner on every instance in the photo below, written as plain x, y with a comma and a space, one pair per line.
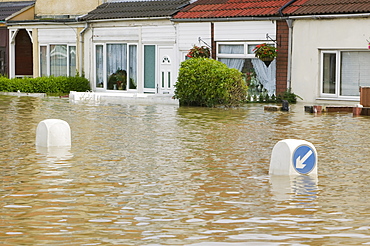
290, 34
81, 57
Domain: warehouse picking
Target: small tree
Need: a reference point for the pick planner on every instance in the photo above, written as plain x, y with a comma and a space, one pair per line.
207, 82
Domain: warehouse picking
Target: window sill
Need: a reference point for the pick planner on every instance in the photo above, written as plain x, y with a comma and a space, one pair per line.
354, 99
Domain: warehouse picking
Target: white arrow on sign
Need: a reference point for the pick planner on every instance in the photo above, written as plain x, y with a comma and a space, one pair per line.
300, 162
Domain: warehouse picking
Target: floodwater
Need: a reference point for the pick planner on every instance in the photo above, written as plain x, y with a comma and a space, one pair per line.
167, 175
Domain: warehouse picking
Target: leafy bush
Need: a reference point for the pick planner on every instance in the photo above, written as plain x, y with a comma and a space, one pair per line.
289, 96
207, 82
51, 84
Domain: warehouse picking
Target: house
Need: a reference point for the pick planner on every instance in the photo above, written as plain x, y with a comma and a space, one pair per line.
130, 46
330, 49
233, 29
47, 43
15, 11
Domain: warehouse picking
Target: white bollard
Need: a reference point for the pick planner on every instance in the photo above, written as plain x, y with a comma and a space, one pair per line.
293, 157
53, 133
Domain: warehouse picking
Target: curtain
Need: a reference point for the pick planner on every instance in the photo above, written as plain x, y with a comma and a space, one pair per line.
233, 62
266, 75
116, 58
354, 72
43, 61
231, 49
72, 60
58, 60
133, 66
99, 66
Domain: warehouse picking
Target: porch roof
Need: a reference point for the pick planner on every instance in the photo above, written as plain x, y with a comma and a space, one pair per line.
9, 8
136, 9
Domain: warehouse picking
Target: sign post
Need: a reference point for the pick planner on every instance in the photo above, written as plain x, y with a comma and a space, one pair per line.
293, 157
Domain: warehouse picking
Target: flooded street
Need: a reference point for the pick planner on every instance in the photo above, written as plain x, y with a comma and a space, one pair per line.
164, 175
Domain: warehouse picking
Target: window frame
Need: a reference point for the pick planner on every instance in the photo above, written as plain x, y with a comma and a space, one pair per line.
338, 80
246, 44
105, 73
48, 62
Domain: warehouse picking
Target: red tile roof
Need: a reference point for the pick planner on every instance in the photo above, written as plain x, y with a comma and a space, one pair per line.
230, 8
314, 7
203, 9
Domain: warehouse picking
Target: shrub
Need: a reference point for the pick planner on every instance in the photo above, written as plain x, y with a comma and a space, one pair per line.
289, 96
207, 82
49, 85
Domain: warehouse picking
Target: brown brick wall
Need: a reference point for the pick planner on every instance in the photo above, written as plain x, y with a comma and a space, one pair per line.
282, 31
4, 59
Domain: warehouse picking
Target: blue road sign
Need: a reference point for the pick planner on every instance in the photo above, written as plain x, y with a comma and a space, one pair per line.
304, 159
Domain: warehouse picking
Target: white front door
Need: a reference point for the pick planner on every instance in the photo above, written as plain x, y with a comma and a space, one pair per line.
165, 83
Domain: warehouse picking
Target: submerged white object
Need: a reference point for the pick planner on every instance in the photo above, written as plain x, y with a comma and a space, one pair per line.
53, 133
293, 157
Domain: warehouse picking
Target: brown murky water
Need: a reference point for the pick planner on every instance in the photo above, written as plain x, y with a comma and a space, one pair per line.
163, 175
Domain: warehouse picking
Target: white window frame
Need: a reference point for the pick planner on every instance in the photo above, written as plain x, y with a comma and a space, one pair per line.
246, 46
48, 57
338, 82
105, 75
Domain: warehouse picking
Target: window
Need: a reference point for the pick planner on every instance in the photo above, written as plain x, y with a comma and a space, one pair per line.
116, 66
343, 72
240, 55
57, 60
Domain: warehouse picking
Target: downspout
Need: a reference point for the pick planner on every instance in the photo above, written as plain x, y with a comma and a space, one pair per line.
82, 53
290, 37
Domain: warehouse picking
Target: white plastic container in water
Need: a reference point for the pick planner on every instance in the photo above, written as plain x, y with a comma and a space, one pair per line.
293, 157
53, 133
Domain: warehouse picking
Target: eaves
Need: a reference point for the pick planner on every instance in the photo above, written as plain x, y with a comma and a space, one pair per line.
329, 16
127, 19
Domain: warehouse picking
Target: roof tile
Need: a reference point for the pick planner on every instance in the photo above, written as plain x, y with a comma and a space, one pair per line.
230, 8
136, 9
313, 7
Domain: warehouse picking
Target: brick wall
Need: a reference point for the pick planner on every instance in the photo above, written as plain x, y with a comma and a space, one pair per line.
4, 51
282, 58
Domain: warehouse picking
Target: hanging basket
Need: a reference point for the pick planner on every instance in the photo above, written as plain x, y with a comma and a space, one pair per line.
267, 60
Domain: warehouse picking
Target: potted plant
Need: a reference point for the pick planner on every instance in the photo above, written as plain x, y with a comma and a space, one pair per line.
197, 52
117, 80
265, 52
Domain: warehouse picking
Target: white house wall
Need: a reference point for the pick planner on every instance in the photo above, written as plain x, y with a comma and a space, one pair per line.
158, 34
161, 33
311, 36
57, 35
188, 34
244, 30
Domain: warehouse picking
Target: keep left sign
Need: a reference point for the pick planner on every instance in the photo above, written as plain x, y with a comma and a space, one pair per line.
293, 157
304, 159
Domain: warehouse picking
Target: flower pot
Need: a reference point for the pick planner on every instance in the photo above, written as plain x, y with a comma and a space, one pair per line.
267, 60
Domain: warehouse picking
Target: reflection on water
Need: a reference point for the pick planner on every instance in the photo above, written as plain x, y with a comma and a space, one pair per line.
163, 175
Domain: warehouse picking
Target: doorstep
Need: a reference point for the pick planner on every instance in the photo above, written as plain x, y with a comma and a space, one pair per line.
115, 97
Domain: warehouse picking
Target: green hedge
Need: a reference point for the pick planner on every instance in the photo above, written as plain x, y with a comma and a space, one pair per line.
50, 85
210, 83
